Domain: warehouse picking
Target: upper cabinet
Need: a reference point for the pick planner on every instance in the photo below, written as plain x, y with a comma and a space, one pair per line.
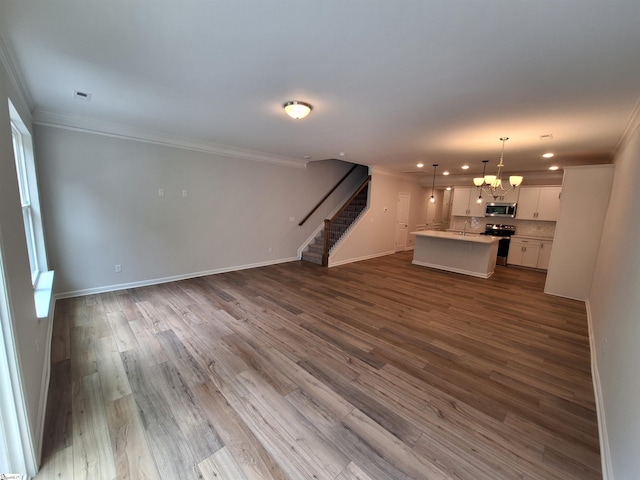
464, 203
539, 203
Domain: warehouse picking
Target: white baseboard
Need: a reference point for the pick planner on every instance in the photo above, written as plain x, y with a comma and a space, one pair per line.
359, 259
175, 278
605, 451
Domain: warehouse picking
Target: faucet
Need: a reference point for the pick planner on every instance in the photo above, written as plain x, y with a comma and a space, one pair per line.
464, 228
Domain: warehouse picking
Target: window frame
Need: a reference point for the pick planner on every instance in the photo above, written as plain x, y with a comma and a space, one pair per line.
24, 185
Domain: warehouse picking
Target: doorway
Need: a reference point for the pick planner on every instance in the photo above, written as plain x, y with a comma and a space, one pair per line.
402, 221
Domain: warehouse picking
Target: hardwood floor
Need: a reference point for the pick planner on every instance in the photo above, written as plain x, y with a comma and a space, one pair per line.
368, 371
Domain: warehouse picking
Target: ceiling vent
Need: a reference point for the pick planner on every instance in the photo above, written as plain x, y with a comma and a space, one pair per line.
548, 136
82, 95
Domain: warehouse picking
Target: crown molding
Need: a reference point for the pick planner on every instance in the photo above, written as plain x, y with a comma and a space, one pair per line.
531, 178
392, 173
633, 124
10, 64
108, 129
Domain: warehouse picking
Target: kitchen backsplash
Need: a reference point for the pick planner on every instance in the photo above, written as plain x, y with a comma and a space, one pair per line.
523, 227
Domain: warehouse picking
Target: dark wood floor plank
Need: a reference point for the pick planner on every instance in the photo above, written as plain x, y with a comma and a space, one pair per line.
93, 457
321, 453
189, 368
58, 432
172, 453
131, 451
373, 370
250, 455
198, 432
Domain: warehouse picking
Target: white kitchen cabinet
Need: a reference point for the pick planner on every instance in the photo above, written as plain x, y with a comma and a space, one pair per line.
524, 252
539, 203
464, 203
545, 254
529, 252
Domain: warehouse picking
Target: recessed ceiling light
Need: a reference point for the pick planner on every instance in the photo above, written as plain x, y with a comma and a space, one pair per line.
307, 157
446, 172
547, 155
342, 154
448, 188
554, 167
465, 167
420, 165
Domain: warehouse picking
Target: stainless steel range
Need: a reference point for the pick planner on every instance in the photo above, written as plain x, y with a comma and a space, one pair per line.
504, 232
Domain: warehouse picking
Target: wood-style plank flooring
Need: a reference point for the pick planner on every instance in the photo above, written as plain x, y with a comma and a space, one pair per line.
374, 370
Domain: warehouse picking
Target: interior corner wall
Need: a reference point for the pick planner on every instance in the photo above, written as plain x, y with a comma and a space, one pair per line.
614, 306
374, 234
162, 212
30, 335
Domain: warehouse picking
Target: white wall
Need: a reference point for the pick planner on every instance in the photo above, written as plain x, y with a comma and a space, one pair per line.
30, 334
101, 208
583, 206
614, 304
374, 234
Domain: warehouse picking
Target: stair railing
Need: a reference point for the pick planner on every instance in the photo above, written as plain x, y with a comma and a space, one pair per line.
327, 196
329, 221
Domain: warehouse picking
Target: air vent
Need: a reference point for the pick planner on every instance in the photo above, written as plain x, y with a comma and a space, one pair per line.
82, 95
548, 136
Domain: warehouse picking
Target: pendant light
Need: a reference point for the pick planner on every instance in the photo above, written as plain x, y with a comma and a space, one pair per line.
432, 198
475, 181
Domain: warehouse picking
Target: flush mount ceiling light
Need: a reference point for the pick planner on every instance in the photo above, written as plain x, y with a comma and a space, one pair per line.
296, 109
492, 184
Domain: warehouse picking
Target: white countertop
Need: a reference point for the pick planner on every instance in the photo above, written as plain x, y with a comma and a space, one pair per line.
469, 237
533, 237
469, 231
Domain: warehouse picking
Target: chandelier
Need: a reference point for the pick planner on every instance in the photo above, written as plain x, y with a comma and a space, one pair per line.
492, 184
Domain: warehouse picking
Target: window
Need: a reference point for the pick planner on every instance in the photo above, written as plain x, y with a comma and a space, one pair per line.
25, 199
41, 277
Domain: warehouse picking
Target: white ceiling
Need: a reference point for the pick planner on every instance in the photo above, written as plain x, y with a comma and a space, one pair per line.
392, 82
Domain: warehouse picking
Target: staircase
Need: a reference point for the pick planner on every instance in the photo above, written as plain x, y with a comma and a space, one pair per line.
313, 252
318, 251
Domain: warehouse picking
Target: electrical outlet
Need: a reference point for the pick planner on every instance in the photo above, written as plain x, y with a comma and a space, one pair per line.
118, 268
184, 193
270, 249
604, 345
161, 192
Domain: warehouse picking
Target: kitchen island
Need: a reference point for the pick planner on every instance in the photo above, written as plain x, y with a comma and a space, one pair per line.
469, 254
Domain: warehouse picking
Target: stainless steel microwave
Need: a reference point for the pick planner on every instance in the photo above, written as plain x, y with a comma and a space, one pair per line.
498, 209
